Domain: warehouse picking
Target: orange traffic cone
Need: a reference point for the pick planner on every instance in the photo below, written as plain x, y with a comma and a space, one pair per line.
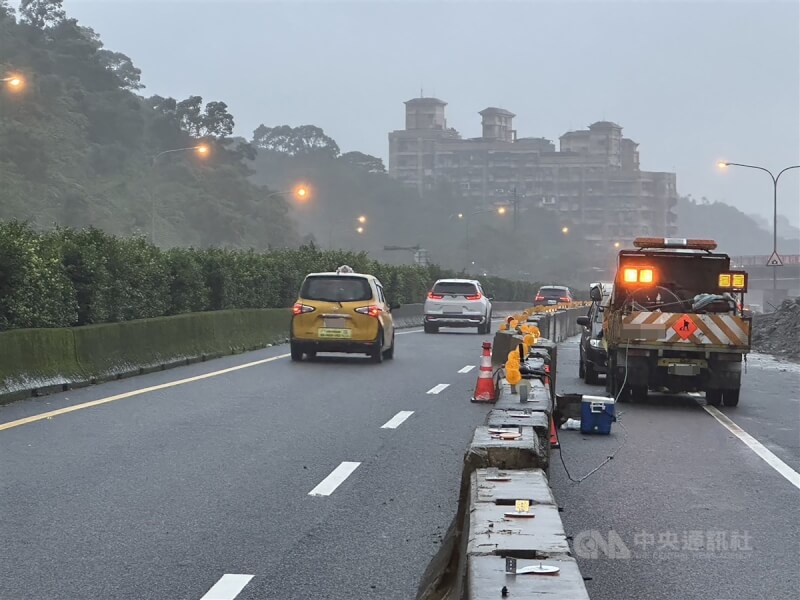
484, 388
553, 434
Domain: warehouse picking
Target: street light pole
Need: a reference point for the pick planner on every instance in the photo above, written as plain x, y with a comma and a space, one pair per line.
201, 149
466, 217
775, 179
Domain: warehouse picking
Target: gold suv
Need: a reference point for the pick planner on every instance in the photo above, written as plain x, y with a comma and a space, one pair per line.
342, 312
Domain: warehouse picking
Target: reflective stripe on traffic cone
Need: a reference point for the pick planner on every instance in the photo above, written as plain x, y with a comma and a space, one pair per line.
484, 388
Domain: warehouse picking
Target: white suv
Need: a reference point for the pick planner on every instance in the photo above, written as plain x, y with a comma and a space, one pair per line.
458, 303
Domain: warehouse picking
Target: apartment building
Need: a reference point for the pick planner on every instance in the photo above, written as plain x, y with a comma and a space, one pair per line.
592, 180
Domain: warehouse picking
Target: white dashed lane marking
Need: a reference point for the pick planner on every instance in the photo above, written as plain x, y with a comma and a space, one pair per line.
466, 369
228, 587
397, 420
328, 485
438, 388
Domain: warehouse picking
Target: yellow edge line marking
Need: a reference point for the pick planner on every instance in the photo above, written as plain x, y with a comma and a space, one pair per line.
139, 392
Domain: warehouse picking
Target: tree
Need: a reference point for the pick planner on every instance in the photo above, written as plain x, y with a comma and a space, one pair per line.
42, 13
371, 164
217, 121
305, 140
189, 113
6, 11
122, 66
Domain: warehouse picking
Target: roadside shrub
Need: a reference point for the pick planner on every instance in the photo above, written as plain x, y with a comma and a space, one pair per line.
79, 277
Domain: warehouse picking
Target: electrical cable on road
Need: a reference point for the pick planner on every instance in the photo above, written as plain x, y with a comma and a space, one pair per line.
611, 456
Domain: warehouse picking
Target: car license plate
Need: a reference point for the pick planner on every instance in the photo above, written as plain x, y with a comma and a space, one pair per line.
334, 323
452, 311
552, 302
330, 332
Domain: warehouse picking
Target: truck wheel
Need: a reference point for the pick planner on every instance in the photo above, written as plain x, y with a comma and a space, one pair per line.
713, 397
730, 397
639, 393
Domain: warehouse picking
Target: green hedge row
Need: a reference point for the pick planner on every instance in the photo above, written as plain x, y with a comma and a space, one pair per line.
68, 277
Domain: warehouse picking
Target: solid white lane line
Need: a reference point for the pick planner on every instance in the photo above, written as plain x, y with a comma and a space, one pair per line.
768, 457
397, 420
335, 479
228, 587
407, 332
438, 388
466, 369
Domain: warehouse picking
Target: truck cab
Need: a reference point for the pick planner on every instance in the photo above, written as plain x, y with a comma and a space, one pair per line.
674, 321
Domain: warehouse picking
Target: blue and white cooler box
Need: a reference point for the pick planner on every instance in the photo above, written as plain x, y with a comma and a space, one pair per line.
597, 414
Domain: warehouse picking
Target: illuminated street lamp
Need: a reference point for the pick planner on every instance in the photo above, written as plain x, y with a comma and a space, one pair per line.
467, 217
15, 82
200, 149
725, 164
565, 230
617, 244
359, 228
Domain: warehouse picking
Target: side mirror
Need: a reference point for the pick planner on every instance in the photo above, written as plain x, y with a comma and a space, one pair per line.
584, 321
596, 294
491, 298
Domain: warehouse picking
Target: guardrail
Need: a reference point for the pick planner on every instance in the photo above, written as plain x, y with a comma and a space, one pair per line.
490, 544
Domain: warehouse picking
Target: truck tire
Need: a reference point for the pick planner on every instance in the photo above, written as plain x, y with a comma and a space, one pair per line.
638, 393
713, 397
730, 397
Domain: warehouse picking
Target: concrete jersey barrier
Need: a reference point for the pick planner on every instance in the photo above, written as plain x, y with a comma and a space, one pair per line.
472, 562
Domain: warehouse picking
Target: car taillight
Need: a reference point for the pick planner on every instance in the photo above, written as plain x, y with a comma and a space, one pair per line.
539, 297
372, 311
563, 299
433, 296
474, 297
301, 309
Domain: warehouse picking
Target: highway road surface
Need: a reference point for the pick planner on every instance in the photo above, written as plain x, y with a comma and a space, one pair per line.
686, 509
250, 477
329, 479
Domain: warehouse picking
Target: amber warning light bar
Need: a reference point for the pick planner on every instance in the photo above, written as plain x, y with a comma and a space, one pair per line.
647, 242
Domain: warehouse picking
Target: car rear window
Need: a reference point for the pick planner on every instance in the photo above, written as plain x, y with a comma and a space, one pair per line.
455, 288
551, 292
336, 288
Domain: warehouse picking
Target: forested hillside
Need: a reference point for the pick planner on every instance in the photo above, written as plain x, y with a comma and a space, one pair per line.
80, 146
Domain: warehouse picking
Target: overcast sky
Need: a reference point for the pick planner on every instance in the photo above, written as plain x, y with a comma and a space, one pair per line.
692, 82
